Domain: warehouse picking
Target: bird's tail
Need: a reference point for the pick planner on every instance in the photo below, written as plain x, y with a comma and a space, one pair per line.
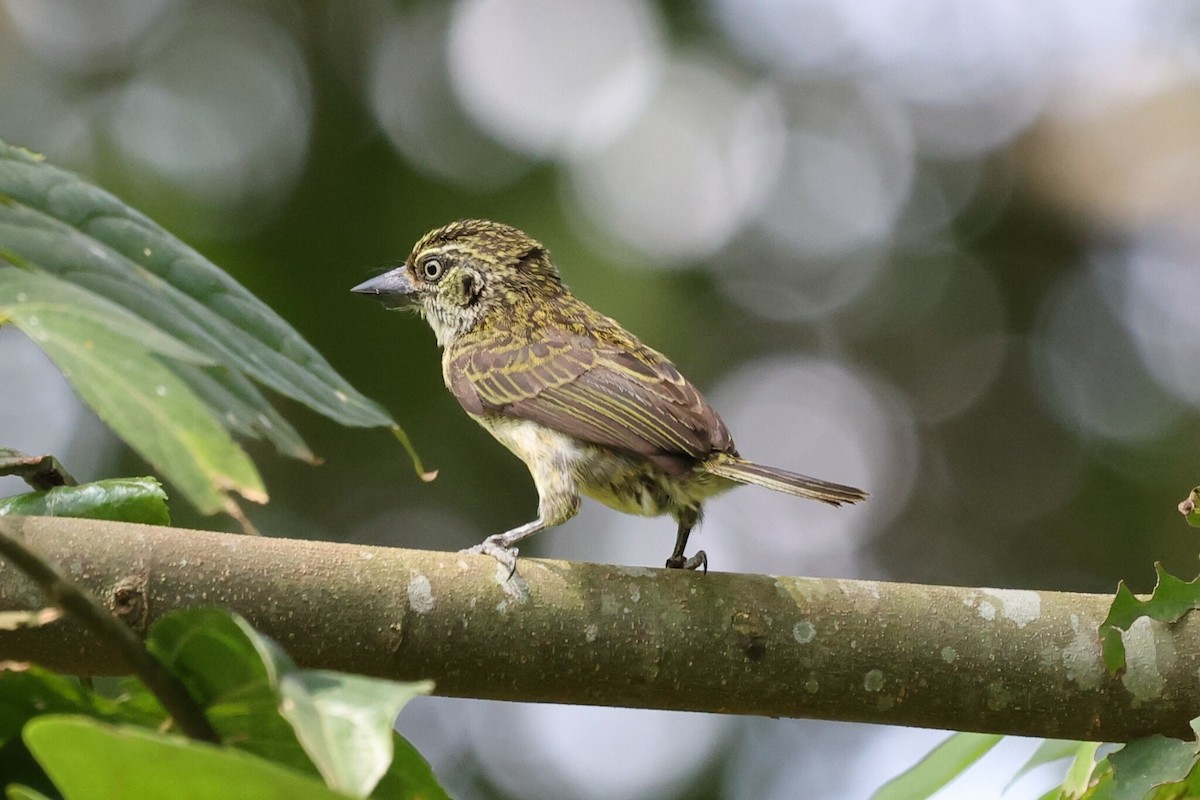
779, 480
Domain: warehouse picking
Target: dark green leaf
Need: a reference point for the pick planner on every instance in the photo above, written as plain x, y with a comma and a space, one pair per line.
943, 764
40, 472
1144, 764
1172, 598
215, 658
89, 760
243, 409
55, 220
409, 776
1102, 785
125, 499
27, 693
18, 792
109, 357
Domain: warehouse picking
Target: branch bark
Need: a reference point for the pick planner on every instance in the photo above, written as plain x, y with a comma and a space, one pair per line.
169, 690
1004, 661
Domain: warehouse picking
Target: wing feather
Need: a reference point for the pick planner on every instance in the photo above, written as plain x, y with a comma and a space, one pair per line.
629, 397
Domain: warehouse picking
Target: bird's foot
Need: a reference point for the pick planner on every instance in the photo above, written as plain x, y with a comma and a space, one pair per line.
698, 561
494, 546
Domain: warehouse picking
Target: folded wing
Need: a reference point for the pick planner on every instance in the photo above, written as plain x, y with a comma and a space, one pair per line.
629, 398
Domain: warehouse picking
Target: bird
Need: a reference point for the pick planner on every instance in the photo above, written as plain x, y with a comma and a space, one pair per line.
588, 407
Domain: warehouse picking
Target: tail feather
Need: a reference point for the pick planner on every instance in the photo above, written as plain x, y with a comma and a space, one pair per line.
779, 480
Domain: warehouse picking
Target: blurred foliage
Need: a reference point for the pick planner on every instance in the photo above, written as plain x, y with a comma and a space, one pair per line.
157, 340
284, 730
1153, 768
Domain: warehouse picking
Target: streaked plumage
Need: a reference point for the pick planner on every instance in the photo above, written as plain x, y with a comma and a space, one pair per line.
586, 405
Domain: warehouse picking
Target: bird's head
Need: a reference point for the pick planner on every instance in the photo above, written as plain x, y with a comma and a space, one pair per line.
464, 273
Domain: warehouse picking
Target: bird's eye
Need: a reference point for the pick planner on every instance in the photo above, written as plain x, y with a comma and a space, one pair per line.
432, 269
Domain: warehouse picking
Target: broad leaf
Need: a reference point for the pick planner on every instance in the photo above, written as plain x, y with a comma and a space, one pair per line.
27, 693
215, 658
89, 760
345, 722
124, 499
1083, 767
409, 775
1154, 761
1172, 598
258, 699
32, 692
53, 219
111, 358
943, 764
243, 408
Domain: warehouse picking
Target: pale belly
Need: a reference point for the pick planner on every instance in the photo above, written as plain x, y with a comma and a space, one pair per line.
632, 485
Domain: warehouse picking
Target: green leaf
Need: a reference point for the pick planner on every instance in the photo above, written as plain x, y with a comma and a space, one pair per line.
90, 760
1154, 761
35, 298
345, 722
27, 693
409, 775
1102, 785
943, 764
124, 499
1083, 767
1190, 508
55, 220
18, 792
243, 409
1049, 751
224, 672
1172, 598
109, 357
258, 699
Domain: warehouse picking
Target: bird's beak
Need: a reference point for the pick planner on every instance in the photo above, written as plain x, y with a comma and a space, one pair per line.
393, 289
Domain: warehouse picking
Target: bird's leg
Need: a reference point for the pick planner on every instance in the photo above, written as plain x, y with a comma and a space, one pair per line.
502, 546
558, 501
687, 520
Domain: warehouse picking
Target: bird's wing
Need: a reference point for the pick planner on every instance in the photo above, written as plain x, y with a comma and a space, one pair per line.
630, 398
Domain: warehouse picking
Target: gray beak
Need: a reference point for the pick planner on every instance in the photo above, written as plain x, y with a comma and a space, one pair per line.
392, 288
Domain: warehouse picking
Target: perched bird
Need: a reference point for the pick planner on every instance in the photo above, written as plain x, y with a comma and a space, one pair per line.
588, 408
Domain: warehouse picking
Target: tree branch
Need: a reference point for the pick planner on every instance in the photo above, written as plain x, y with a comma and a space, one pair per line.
169, 690
1015, 662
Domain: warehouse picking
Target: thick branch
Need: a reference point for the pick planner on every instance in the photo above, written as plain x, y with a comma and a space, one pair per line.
169, 690
1006, 661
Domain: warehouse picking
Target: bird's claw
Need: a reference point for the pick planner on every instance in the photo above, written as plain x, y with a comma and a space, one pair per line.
491, 547
698, 561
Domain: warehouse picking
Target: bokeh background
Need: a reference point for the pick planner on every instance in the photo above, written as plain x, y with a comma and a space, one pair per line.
943, 251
